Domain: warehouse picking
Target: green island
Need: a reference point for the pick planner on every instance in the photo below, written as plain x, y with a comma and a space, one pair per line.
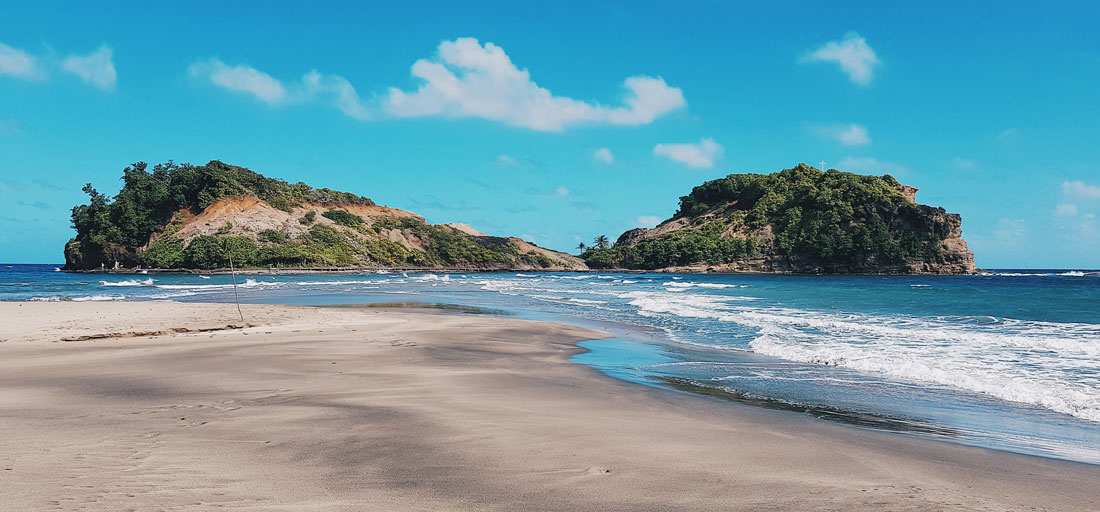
798, 220
182, 216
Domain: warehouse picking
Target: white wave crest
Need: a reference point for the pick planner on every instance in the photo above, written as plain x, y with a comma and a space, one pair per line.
131, 282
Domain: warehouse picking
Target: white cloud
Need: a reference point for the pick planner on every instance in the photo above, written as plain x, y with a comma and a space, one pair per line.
96, 69
852, 54
604, 155
699, 155
1066, 210
504, 160
1089, 215
343, 95
241, 79
1007, 133
562, 192
468, 79
868, 165
648, 221
464, 79
848, 134
1080, 189
18, 63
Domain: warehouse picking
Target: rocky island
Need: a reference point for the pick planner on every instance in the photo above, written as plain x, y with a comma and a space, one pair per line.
182, 216
800, 220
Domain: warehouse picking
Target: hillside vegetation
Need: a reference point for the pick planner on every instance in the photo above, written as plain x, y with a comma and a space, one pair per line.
796, 220
203, 217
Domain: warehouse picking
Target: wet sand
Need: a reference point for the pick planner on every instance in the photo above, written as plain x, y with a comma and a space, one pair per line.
383, 409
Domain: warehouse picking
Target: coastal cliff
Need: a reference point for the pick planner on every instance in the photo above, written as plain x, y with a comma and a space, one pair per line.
201, 217
799, 220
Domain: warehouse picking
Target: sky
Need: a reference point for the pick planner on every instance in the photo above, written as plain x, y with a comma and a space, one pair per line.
561, 121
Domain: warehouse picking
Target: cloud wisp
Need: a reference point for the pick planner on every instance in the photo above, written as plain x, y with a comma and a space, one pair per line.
700, 155
847, 134
1080, 189
604, 155
852, 54
19, 64
243, 79
465, 79
96, 69
1066, 210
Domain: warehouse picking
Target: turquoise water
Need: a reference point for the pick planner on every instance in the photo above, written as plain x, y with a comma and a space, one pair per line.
1009, 359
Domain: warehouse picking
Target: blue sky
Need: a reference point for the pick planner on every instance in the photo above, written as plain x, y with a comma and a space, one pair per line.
562, 121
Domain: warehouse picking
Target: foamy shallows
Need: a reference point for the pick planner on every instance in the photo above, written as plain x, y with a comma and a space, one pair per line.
1008, 359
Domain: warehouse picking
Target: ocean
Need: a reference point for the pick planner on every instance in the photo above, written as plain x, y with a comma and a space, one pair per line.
1006, 359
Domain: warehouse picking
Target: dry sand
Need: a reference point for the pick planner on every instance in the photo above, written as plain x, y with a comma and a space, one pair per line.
368, 409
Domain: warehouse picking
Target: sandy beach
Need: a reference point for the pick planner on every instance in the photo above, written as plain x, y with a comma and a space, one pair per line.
169, 406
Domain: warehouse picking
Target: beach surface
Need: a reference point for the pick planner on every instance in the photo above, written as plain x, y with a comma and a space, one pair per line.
171, 406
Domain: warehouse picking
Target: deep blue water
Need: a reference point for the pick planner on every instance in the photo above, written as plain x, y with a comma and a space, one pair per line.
1009, 359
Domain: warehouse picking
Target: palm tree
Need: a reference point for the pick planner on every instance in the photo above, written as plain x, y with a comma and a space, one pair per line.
581, 247
601, 242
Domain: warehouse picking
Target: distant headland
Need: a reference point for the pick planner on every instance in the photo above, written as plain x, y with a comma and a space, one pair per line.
182, 216
800, 220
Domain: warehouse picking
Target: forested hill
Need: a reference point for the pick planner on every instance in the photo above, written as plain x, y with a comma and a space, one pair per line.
798, 220
202, 216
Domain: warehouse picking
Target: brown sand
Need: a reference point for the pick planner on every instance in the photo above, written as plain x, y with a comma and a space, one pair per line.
367, 409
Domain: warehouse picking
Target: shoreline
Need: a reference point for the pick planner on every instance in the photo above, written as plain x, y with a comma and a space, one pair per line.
432, 270
334, 408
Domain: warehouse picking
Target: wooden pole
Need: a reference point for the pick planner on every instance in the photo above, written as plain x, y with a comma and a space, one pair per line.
236, 297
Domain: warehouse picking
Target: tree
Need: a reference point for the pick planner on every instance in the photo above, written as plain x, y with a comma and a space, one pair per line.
581, 247
601, 242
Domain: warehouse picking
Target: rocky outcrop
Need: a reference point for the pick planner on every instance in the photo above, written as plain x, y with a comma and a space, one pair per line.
930, 236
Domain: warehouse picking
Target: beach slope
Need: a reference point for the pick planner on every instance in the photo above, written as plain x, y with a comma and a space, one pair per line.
188, 408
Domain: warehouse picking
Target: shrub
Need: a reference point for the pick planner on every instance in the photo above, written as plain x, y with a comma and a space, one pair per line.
206, 251
308, 218
271, 236
203, 251
343, 218
166, 252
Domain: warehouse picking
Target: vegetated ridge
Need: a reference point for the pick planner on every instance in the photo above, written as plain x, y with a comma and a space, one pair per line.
798, 220
201, 217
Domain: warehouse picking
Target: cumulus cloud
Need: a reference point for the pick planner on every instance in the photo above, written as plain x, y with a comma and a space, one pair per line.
1080, 189
851, 54
18, 63
701, 155
868, 165
562, 192
96, 69
1066, 210
464, 79
848, 134
468, 79
648, 221
604, 155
